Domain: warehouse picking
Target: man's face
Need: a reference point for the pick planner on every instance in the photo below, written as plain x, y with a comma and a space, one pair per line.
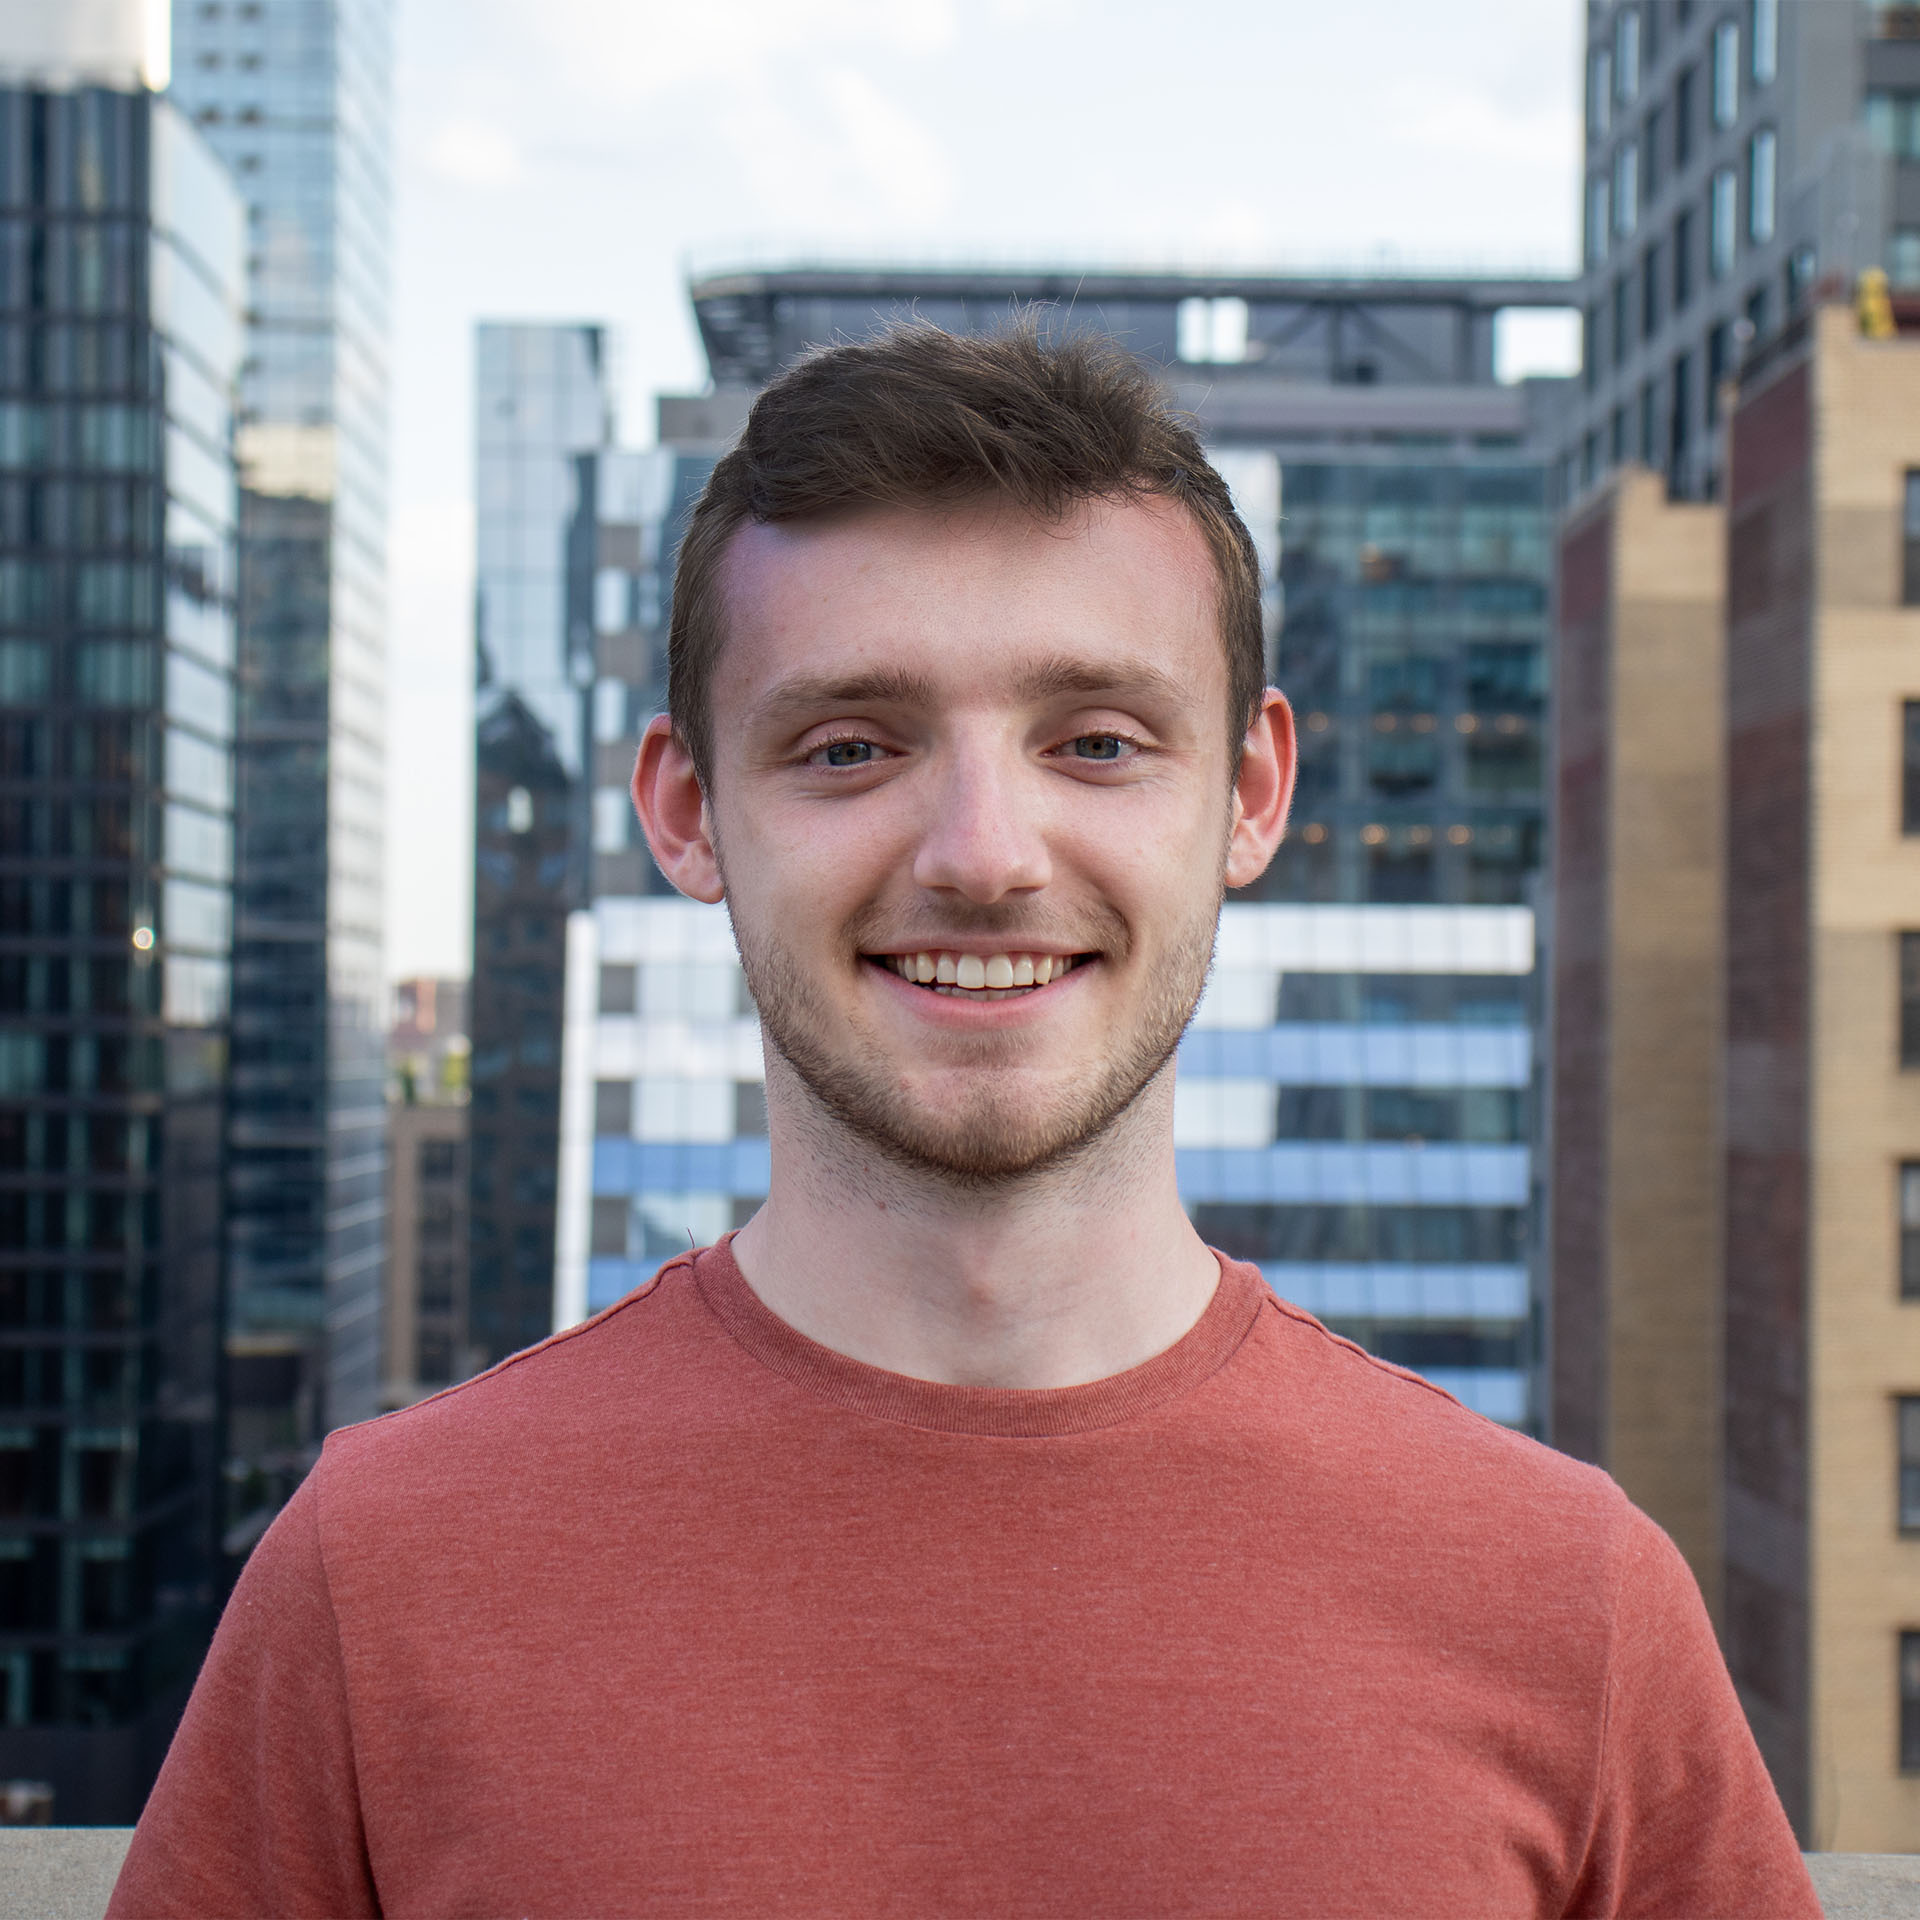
972, 805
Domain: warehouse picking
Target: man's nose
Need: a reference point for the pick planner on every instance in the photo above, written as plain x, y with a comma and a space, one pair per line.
982, 836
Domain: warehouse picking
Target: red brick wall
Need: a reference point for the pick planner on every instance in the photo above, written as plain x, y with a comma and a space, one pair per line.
1582, 682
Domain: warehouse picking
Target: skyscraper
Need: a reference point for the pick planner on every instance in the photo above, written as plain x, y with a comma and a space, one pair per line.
1737, 157
1353, 1102
543, 410
294, 95
120, 313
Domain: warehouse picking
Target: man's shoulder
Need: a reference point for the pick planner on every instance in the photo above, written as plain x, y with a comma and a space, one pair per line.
1412, 1452
586, 1386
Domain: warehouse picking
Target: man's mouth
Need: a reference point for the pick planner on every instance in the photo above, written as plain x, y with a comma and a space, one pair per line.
981, 976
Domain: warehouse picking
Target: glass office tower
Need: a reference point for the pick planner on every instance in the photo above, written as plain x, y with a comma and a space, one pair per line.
120, 299
295, 96
542, 402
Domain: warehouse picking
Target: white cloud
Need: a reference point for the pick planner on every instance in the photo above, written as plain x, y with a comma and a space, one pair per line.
473, 154
1472, 124
622, 50
899, 161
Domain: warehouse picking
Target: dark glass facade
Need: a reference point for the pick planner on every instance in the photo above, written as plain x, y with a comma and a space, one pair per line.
542, 409
120, 288
1414, 654
295, 96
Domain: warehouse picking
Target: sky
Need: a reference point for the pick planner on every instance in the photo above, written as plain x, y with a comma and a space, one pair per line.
573, 159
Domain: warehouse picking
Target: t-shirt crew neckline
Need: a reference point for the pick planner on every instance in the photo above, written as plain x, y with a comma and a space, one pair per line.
1008, 1412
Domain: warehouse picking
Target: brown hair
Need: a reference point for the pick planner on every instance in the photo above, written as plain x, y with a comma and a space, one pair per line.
920, 417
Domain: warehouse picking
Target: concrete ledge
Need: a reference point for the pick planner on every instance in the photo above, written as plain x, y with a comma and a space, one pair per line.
59, 1873
67, 1873
1867, 1886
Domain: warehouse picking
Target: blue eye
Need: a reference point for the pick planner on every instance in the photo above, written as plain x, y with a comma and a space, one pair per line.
848, 753
1098, 746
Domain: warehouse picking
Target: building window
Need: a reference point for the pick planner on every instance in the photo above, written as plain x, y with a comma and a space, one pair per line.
1907, 1438
1726, 74
1903, 258
1599, 94
1799, 278
1762, 154
1617, 437
1910, 1230
618, 988
1622, 332
1684, 88
1910, 541
1649, 432
613, 1107
1910, 999
1682, 260
1650, 292
1723, 211
1652, 145
1893, 123
1626, 56
1680, 415
1626, 190
610, 1226
1599, 204
1764, 23
1590, 347
1910, 1703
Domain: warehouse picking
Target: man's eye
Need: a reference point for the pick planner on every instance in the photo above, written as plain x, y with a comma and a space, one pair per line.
1098, 746
847, 753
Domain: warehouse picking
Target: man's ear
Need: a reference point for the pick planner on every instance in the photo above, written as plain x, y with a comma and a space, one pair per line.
1263, 790
673, 812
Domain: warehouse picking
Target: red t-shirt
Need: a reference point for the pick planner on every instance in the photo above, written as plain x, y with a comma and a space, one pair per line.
681, 1613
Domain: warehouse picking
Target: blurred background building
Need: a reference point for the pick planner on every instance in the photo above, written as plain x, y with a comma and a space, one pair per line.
543, 409
1353, 1109
425, 1344
121, 286
1735, 992
295, 97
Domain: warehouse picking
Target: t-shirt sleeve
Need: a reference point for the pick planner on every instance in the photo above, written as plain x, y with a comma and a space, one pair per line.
257, 1810
1687, 1820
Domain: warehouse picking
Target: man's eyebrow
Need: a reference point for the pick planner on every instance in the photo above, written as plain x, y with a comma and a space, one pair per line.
1136, 679
882, 686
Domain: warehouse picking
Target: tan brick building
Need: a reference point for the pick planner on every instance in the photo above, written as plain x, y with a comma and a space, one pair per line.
1735, 1299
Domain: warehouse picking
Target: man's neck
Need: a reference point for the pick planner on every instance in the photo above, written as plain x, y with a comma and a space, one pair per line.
1054, 1280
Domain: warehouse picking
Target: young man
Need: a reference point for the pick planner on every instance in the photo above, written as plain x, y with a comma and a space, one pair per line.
962, 1537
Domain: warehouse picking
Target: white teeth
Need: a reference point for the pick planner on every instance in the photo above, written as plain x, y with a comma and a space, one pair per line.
993, 973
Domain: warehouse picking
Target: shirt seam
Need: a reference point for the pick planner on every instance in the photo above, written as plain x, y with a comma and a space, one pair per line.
1288, 1311
645, 1291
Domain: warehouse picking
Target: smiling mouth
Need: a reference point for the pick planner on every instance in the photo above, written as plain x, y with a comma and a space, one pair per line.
978, 976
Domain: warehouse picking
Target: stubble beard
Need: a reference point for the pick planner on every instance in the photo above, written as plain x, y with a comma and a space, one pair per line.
992, 1136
